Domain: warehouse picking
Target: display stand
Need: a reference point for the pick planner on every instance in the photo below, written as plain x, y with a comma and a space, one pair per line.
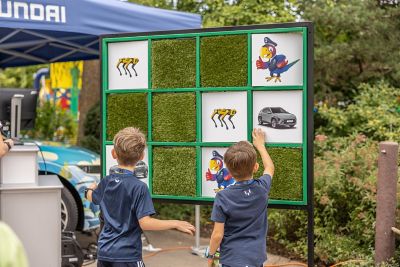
196, 92
30, 205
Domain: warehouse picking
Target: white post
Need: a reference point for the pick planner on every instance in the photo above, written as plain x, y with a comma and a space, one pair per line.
197, 224
197, 249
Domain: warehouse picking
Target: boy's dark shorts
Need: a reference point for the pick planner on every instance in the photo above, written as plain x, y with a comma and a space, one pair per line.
119, 264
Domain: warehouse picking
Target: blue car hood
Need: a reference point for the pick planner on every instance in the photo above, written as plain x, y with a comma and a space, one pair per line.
68, 155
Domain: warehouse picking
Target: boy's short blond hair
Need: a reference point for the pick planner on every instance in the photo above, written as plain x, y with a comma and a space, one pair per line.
240, 160
129, 145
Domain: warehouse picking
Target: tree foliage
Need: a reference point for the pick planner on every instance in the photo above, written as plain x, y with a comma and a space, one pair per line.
355, 42
91, 138
18, 77
230, 13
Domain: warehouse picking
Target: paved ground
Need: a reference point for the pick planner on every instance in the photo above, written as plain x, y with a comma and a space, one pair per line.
177, 252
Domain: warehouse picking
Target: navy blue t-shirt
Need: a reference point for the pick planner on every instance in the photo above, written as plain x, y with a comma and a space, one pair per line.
243, 209
123, 200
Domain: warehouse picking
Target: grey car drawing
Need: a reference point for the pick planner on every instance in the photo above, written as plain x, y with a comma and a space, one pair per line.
276, 117
141, 169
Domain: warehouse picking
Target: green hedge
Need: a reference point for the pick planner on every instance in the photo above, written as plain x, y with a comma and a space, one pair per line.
174, 117
125, 110
287, 183
223, 61
174, 63
174, 171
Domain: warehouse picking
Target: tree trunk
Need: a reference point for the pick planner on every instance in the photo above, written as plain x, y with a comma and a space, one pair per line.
90, 93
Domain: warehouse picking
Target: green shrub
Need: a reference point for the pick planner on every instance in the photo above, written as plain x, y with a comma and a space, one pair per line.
91, 138
174, 171
52, 123
344, 201
287, 182
174, 117
223, 61
375, 113
126, 110
174, 63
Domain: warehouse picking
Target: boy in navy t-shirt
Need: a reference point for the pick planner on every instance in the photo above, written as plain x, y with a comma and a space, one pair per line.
126, 206
240, 211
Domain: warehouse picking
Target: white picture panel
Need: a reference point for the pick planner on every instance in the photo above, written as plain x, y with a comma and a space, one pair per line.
279, 55
214, 174
224, 116
142, 168
280, 115
128, 65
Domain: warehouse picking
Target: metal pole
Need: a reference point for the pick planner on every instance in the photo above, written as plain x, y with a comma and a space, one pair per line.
386, 201
197, 225
310, 236
197, 249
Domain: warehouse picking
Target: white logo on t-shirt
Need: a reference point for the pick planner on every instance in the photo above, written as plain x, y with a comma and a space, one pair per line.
247, 193
117, 180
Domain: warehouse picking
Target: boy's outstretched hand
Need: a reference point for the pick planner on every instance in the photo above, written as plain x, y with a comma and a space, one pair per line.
258, 138
185, 227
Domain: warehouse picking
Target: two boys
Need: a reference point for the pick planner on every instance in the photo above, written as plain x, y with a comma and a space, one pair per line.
239, 212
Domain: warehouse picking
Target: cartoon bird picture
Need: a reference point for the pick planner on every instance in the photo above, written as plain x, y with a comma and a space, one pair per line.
269, 60
222, 113
126, 61
217, 172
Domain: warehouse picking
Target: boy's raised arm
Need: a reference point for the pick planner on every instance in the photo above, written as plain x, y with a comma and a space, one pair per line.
150, 224
259, 144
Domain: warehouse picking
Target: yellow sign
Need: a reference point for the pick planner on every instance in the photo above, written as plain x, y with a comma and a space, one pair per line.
62, 74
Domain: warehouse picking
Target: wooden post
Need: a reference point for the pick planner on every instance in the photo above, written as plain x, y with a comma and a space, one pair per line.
386, 201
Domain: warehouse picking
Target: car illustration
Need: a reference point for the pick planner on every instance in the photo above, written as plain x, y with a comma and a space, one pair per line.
141, 169
276, 117
77, 168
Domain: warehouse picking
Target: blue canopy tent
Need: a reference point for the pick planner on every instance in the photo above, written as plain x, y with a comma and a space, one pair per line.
45, 31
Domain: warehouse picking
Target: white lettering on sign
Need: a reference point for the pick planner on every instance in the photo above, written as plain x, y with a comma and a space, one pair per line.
37, 12
32, 11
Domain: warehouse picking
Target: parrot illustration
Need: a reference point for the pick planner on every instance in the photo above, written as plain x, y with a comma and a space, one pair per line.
269, 60
217, 172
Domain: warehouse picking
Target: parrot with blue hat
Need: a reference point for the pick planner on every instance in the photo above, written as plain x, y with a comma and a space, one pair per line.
217, 172
269, 60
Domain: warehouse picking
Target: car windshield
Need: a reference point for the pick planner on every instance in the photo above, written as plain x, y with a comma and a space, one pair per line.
278, 110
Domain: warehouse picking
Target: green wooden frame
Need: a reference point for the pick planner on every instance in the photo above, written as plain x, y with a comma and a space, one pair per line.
197, 34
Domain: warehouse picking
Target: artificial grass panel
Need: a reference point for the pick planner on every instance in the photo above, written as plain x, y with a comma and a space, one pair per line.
174, 171
174, 63
223, 61
287, 183
126, 110
174, 117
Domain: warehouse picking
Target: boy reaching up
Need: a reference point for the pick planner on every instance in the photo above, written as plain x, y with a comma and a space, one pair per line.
240, 211
126, 206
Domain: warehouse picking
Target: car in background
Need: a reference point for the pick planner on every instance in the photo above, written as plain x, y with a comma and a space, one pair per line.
77, 168
276, 117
